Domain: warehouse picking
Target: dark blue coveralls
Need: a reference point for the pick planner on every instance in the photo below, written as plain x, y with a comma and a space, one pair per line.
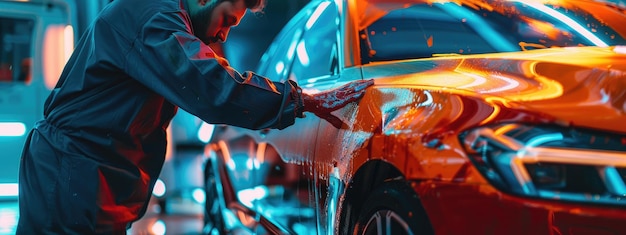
90, 165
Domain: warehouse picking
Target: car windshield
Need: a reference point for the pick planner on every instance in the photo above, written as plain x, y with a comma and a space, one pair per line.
393, 30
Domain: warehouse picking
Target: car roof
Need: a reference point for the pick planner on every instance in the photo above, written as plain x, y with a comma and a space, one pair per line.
368, 11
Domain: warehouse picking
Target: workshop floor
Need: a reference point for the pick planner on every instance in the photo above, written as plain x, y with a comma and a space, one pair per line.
186, 219
183, 214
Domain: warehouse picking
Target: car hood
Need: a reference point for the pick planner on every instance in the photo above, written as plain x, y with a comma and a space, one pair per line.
582, 86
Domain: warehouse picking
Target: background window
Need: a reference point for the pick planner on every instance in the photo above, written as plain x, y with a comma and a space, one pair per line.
15, 53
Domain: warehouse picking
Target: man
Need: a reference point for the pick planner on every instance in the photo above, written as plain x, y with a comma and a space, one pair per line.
89, 167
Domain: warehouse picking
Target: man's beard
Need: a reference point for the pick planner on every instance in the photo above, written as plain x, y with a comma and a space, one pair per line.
200, 22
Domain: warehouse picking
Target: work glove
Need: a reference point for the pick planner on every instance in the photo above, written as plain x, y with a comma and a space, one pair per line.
322, 104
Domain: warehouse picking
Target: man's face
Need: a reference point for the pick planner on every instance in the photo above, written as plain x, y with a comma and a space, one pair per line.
212, 24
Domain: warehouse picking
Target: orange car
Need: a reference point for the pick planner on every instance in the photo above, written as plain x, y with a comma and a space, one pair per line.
486, 117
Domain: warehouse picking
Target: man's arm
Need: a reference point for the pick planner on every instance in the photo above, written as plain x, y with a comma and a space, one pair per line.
177, 65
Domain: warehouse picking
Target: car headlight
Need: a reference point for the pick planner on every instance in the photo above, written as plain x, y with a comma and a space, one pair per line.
550, 162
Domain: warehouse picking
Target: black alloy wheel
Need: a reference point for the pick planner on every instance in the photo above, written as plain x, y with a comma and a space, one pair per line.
213, 219
392, 209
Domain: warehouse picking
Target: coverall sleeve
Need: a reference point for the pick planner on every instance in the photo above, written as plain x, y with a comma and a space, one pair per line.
174, 63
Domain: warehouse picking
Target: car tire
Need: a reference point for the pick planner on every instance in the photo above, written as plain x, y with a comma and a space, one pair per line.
213, 219
393, 208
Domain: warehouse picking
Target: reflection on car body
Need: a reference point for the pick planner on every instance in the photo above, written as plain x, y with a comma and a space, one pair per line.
487, 117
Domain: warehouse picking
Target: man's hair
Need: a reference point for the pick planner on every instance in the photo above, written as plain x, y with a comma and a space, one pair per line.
255, 6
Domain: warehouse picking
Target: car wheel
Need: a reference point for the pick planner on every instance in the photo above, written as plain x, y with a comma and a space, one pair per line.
393, 208
213, 219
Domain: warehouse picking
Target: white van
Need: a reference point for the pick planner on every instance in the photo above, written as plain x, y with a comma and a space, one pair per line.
36, 39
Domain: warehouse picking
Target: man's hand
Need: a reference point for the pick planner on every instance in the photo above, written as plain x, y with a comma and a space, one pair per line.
322, 104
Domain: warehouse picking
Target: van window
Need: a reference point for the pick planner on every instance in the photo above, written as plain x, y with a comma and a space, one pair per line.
15, 50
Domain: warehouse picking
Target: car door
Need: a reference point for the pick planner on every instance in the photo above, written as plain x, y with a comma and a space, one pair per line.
307, 52
316, 67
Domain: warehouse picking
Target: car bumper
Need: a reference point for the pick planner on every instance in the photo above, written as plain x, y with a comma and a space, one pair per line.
459, 208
